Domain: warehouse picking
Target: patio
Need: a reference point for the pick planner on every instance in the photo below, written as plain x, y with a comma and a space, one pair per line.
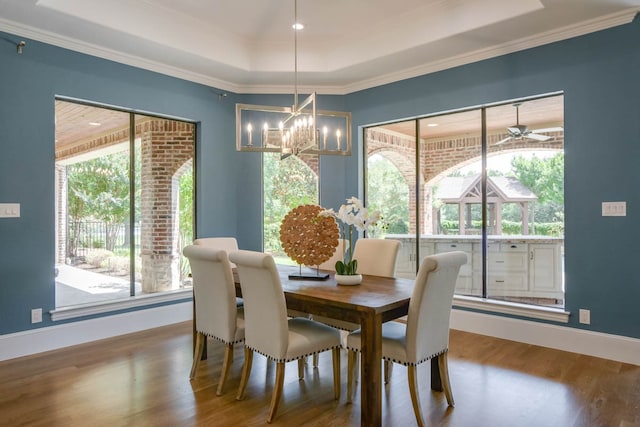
76, 286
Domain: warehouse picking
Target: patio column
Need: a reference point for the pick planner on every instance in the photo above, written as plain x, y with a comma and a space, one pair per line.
166, 146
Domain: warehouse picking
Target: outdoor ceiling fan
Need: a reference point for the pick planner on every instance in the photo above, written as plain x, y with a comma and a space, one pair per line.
519, 131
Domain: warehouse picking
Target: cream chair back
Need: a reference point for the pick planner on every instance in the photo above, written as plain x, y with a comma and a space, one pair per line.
376, 257
229, 244
214, 292
338, 255
430, 306
265, 309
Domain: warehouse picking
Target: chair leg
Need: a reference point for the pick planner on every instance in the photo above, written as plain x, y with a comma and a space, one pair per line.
246, 371
443, 367
352, 372
277, 391
388, 367
197, 353
415, 396
336, 372
301, 368
315, 360
226, 366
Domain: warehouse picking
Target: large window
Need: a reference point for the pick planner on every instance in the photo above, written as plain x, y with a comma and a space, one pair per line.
124, 203
486, 181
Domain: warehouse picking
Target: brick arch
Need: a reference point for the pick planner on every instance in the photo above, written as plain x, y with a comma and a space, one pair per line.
405, 165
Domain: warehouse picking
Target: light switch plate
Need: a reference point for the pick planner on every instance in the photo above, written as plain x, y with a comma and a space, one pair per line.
614, 208
9, 210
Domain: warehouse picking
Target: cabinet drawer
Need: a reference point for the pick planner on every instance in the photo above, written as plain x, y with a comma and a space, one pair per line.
453, 246
507, 282
507, 261
513, 247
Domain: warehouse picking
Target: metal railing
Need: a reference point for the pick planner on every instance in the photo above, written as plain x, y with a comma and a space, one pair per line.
84, 236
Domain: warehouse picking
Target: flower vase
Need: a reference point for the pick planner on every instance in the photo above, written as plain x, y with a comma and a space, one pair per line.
348, 279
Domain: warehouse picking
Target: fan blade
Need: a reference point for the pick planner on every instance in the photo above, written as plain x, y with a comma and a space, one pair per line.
503, 140
545, 130
537, 137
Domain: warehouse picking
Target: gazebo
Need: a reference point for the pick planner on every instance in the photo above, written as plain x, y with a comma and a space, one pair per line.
466, 192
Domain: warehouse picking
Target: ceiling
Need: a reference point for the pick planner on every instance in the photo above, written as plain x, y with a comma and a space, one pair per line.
247, 46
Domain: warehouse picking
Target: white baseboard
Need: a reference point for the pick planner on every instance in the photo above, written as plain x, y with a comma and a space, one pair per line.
68, 334
613, 347
597, 344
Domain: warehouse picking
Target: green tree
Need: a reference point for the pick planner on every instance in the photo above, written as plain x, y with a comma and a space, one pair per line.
185, 231
99, 189
545, 177
287, 184
389, 193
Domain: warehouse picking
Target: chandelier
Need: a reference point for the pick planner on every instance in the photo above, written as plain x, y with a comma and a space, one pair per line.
296, 129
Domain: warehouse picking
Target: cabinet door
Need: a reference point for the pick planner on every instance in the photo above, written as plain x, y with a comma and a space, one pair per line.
545, 270
406, 265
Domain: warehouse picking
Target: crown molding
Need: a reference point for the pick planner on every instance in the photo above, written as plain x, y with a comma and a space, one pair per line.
586, 27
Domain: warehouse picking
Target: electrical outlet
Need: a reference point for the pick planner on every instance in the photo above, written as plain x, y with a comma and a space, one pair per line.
585, 316
614, 208
36, 315
9, 210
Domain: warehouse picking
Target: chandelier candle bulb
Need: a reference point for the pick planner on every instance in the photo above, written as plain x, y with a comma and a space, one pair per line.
265, 134
249, 129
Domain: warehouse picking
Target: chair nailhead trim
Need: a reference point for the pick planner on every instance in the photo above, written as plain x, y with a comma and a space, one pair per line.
406, 363
295, 358
220, 339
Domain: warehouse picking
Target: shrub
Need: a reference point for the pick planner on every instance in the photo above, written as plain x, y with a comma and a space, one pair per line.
97, 256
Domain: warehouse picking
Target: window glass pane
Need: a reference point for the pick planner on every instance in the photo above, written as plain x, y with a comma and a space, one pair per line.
164, 202
287, 183
450, 153
525, 196
391, 187
92, 204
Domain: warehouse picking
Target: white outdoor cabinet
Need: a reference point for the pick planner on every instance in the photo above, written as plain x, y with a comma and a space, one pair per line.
517, 266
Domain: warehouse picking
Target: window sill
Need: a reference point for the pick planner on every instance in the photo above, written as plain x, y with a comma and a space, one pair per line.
83, 310
516, 309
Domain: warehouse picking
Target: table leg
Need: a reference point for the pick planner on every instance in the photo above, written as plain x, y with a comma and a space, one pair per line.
436, 381
370, 372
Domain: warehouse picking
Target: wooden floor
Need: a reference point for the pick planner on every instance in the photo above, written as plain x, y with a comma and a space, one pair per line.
142, 380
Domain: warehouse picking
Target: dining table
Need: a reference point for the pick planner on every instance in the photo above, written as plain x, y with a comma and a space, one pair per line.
371, 303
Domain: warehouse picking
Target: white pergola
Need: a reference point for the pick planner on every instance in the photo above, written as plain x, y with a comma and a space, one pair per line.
467, 191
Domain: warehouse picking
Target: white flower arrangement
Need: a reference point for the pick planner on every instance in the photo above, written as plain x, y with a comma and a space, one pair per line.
352, 215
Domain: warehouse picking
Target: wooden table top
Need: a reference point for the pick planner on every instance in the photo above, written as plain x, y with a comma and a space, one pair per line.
380, 294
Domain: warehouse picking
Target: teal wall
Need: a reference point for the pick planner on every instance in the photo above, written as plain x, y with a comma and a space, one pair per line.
597, 74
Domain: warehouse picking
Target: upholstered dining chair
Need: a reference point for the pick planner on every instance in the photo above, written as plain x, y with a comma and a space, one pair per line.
269, 332
377, 257
229, 244
426, 333
338, 254
217, 314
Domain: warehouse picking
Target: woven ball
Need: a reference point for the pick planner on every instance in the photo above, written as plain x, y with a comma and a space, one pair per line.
308, 238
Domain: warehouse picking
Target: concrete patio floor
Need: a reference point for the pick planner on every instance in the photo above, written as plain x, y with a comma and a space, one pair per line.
79, 286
